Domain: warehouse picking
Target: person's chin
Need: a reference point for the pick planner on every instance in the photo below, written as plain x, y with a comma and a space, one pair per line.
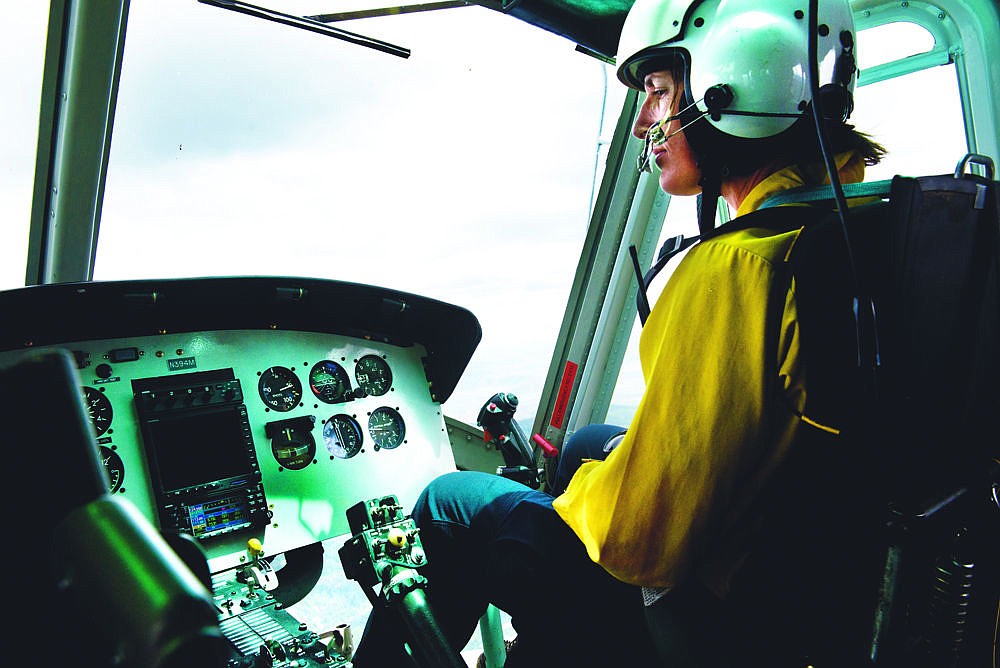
672, 185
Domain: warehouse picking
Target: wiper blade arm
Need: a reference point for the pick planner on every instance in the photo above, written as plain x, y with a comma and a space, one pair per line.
389, 11
308, 24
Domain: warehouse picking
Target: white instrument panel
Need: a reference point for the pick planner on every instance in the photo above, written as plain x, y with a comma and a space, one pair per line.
307, 504
253, 408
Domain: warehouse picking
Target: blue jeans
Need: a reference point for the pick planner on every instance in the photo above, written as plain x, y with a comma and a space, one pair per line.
587, 443
492, 540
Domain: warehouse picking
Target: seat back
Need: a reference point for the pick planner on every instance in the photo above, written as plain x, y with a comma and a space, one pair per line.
879, 545
93, 578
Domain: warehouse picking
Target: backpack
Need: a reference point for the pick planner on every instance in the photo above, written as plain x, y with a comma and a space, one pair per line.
885, 536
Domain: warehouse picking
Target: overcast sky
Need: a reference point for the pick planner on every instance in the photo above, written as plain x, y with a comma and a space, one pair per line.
463, 172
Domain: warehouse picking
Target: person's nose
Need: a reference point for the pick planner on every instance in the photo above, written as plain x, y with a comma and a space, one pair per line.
643, 121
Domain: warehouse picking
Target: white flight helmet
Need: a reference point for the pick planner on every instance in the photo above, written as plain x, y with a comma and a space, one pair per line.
757, 49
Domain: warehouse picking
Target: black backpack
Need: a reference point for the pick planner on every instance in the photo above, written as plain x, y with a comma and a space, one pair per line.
881, 545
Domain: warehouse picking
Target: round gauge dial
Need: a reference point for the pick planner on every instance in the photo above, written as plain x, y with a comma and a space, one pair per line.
114, 467
330, 383
293, 448
279, 388
99, 409
342, 435
386, 427
374, 375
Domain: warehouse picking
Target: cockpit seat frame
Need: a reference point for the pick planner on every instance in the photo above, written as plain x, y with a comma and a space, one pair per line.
93, 579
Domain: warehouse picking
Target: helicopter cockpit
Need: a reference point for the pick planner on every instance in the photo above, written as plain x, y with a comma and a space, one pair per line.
272, 266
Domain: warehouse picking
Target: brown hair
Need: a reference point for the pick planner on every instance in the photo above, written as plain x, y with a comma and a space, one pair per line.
798, 145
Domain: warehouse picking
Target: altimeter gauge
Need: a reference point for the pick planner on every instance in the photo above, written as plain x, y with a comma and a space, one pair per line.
373, 375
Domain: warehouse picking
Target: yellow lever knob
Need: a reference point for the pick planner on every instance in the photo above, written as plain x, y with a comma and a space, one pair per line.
254, 547
397, 537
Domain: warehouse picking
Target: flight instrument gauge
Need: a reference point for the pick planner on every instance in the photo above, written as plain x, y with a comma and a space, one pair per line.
279, 388
342, 435
114, 467
293, 447
386, 427
330, 383
374, 375
99, 409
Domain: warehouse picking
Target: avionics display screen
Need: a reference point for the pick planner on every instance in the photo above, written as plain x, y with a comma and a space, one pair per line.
218, 516
199, 447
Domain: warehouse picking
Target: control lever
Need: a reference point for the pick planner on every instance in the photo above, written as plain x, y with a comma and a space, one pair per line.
496, 417
258, 573
386, 548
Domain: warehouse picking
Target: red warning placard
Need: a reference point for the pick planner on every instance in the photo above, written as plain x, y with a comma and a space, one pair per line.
562, 401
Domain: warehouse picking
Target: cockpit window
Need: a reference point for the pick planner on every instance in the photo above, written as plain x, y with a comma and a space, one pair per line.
917, 116
462, 173
892, 41
22, 53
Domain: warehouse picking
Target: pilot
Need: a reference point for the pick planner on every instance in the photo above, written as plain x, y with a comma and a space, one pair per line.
655, 521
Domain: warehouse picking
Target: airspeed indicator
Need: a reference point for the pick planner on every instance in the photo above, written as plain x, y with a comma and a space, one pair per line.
279, 388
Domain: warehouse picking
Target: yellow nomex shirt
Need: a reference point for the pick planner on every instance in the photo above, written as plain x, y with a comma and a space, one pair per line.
724, 391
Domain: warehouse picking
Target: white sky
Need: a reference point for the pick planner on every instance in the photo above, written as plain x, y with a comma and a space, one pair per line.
462, 173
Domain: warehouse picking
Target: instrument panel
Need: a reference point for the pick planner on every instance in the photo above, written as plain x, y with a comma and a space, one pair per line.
268, 428
315, 456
